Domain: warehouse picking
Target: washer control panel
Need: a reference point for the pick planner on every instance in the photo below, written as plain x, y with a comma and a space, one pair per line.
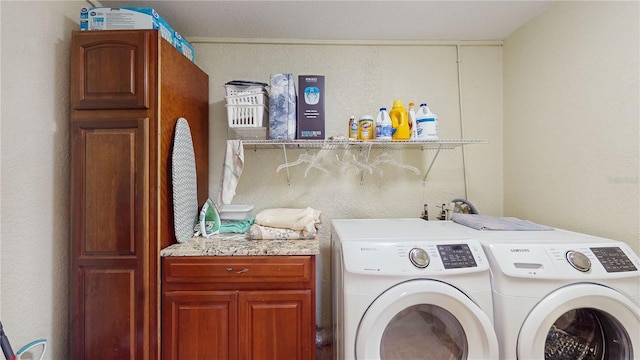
613, 259
414, 257
455, 256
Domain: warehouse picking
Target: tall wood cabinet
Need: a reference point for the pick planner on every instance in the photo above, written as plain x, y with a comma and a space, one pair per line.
128, 89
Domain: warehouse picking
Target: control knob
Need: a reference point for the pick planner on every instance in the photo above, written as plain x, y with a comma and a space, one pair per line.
419, 258
578, 260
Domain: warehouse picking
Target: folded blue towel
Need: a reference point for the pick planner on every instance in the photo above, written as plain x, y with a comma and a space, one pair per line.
237, 227
486, 222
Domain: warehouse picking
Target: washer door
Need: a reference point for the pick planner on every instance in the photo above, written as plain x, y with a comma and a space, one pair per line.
425, 319
581, 322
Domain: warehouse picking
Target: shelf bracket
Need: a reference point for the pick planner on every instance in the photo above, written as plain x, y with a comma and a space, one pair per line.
286, 161
424, 179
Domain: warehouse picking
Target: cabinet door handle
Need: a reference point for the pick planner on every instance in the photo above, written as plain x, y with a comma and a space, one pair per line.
237, 272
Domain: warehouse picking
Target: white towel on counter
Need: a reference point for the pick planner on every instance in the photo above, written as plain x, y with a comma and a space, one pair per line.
486, 222
259, 232
306, 220
231, 171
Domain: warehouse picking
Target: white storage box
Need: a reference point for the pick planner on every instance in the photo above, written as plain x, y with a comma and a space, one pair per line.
239, 87
246, 115
247, 133
235, 212
260, 98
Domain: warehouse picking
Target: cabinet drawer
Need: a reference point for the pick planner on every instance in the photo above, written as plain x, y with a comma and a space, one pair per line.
237, 270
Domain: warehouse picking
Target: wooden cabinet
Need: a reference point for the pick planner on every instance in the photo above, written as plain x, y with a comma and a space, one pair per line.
247, 308
128, 89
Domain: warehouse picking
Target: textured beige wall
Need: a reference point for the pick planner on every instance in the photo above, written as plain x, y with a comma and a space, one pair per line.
570, 135
360, 78
571, 119
34, 194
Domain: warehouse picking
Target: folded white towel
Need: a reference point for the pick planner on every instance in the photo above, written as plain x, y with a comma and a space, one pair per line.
486, 222
259, 232
231, 171
307, 220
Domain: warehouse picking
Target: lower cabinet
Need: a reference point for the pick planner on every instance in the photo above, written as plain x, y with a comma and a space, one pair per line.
250, 307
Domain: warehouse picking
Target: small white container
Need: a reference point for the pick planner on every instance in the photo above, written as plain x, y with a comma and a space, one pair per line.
235, 212
234, 89
248, 99
246, 115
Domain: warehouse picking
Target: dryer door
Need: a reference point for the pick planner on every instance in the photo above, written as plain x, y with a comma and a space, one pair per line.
581, 322
425, 319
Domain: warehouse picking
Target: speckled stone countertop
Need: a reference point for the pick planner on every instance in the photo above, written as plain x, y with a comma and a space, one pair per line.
238, 245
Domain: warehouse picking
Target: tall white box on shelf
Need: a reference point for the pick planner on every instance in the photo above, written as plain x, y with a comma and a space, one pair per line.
282, 107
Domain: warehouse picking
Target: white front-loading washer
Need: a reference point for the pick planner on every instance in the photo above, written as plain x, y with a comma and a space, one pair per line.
409, 289
563, 295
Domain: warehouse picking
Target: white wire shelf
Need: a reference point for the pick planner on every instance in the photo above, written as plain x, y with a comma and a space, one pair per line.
367, 146
346, 144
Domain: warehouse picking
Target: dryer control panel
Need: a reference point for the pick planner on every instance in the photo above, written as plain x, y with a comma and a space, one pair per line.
613, 259
604, 260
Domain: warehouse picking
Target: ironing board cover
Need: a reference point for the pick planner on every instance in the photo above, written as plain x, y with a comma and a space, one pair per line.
183, 173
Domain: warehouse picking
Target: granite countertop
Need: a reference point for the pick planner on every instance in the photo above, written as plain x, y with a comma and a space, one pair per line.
238, 245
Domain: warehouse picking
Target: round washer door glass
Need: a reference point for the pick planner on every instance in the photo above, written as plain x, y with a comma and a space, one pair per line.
424, 332
586, 334
581, 322
425, 319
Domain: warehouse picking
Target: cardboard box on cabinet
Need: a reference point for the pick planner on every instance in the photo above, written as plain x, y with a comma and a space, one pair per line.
131, 18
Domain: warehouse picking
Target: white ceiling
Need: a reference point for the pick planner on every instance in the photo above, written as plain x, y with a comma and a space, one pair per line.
344, 20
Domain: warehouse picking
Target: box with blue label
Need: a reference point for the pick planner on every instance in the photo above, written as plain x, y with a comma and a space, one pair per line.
183, 46
311, 107
130, 18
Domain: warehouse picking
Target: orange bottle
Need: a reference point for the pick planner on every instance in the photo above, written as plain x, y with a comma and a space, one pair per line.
399, 121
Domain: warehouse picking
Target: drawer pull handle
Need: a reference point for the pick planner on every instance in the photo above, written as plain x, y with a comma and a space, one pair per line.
237, 272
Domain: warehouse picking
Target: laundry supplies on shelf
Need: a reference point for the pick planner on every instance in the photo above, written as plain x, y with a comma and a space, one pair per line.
400, 121
426, 123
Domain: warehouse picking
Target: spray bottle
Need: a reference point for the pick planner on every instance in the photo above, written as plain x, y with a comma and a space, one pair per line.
353, 128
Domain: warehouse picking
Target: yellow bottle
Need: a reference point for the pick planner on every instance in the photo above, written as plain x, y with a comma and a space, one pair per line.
400, 121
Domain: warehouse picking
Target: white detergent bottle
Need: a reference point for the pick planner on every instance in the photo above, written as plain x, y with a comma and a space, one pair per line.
383, 125
412, 120
427, 123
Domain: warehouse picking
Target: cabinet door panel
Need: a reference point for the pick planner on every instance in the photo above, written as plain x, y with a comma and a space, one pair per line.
275, 325
110, 292
110, 70
109, 238
110, 161
200, 325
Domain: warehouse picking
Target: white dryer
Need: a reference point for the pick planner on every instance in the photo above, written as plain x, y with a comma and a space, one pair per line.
409, 289
563, 295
